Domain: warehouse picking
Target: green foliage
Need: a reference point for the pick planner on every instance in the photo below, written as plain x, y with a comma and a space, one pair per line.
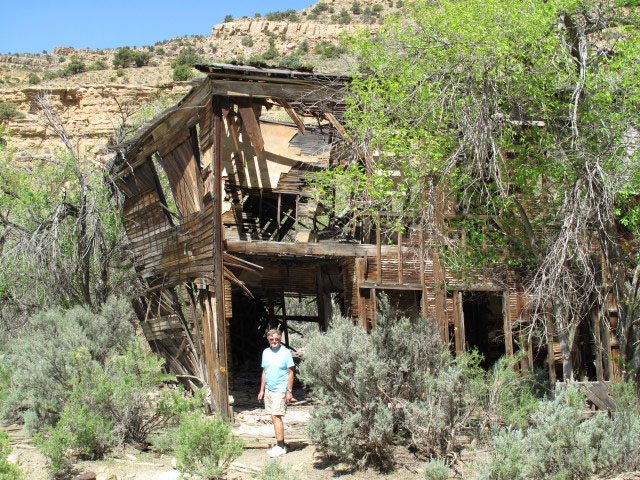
182, 73
320, 8
123, 57
9, 111
293, 62
187, 56
559, 444
228, 18
34, 79
436, 470
205, 446
275, 470
97, 65
141, 58
377, 8
326, 49
74, 67
356, 9
8, 470
50, 75
289, 15
247, 41
397, 381
271, 52
41, 364
303, 47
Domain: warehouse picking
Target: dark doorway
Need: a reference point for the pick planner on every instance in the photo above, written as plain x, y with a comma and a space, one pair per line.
483, 325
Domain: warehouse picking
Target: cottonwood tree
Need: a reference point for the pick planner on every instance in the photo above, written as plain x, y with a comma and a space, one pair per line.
61, 238
521, 118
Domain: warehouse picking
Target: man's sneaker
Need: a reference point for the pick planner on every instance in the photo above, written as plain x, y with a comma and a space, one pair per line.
277, 451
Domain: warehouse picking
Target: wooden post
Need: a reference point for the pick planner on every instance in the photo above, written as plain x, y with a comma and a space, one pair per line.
551, 361
458, 323
323, 308
219, 324
362, 313
506, 324
285, 326
279, 217
400, 266
374, 309
378, 252
423, 300
595, 317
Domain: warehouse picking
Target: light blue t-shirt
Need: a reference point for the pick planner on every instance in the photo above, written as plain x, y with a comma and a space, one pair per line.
276, 365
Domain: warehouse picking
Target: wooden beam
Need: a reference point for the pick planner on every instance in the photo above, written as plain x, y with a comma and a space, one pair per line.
332, 250
336, 124
304, 93
251, 125
506, 324
292, 114
220, 324
400, 265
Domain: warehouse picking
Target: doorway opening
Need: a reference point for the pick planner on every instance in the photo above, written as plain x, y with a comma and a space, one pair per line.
483, 325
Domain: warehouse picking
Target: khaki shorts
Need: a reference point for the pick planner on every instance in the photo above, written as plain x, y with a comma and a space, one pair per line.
274, 403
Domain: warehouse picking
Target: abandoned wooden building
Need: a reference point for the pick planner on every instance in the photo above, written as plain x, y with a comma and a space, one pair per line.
224, 228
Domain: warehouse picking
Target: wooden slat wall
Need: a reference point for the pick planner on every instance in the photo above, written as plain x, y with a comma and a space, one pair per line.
184, 176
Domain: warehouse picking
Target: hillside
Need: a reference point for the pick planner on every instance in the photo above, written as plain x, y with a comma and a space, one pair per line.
91, 91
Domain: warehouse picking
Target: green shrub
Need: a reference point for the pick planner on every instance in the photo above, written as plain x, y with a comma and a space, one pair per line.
8, 470
397, 381
436, 470
377, 8
319, 8
97, 65
75, 66
247, 41
187, 56
9, 111
344, 18
290, 15
275, 470
271, 52
329, 50
41, 364
50, 75
205, 446
559, 444
290, 61
34, 79
182, 73
141, 58
303, 47
228, 18
356, 9
123, 57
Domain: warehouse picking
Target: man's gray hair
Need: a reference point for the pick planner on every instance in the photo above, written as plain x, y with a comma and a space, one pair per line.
274, 331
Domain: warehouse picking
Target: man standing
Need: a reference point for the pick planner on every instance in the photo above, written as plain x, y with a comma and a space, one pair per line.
277, 377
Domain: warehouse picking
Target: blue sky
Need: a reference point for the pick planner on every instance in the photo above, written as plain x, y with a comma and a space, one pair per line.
37, 25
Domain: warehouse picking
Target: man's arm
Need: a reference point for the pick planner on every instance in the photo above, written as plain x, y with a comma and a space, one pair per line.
289, 396
263, 381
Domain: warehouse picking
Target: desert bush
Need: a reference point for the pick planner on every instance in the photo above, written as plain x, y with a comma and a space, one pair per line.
356, 9
182, 73
205, 446
228, 18
75, 66
559, 444
275, 470
50, 75
34, 79
97, 65
141, 58
187, 56
436, 470
398, 381
247, 41
329, 50
320, 7
8, 470
9, 111
123, 57
272, 51
41, 364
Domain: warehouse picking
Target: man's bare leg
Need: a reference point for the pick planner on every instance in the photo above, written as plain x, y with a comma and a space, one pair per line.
278, 427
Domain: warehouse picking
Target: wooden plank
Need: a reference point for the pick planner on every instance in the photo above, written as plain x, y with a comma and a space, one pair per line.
336, 124
292, 114
400, 262
304, 93
506, 324
250, 124
327, 249
220, 323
